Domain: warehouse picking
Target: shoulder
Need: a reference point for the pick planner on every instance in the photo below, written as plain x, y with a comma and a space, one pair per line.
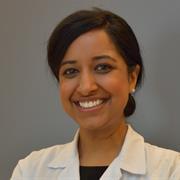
155, 153
149, 159
44, 162
161, 160
45, 154
36, 163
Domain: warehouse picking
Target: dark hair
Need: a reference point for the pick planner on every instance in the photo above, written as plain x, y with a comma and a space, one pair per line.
83, 21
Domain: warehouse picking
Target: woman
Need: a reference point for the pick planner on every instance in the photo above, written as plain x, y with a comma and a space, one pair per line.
95, 57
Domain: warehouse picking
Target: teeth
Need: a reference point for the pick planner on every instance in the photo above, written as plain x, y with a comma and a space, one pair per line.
90, 104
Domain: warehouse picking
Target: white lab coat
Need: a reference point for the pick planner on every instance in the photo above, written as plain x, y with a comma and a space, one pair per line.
136, 161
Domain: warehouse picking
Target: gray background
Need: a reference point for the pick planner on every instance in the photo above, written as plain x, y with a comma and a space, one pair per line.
31, 115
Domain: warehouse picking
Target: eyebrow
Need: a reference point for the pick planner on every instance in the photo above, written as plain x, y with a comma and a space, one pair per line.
67, 62
101, 57
96, 58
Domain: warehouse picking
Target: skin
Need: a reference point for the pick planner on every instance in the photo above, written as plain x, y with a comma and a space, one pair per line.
93, 69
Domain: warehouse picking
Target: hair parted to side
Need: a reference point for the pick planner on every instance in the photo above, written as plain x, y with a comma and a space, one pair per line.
116, 28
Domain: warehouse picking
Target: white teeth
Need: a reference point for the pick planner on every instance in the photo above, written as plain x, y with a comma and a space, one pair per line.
90, 104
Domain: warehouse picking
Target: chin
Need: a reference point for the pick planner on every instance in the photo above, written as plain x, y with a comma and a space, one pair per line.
95, 124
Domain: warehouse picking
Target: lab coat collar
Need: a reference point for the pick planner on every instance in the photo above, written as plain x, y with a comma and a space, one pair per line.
68, 155
131, 159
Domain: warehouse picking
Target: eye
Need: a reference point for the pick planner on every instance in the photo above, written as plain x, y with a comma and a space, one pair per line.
70, 72
103, 68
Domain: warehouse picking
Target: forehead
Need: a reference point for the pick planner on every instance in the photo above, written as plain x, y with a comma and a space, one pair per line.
92, 43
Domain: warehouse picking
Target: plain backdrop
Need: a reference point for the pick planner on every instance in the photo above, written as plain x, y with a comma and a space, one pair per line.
31, 116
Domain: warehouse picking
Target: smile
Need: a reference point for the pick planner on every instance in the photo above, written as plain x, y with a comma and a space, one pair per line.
90, 104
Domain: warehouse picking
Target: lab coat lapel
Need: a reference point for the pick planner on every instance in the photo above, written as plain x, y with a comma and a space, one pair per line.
70, 172
67, 161
113, 172
133, 156
131, 159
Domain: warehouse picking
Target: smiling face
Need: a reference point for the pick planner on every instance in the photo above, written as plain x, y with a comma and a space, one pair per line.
94, 81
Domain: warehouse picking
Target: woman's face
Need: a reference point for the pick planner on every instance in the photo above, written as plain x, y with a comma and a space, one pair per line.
94, 81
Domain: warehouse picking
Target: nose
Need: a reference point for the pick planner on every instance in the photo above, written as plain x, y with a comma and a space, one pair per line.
87, 84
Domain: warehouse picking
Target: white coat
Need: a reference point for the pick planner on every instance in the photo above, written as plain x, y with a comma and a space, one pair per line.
136, 161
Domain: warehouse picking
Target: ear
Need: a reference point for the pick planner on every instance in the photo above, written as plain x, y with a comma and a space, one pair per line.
133, 76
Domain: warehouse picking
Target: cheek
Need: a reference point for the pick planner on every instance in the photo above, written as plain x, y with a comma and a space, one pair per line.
116, 85
66, 89
119, 90
65, 94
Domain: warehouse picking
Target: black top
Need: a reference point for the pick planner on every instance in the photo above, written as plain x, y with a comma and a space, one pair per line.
91, 172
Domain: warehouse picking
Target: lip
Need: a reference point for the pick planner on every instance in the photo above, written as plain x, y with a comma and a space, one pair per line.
83, 99
98, 107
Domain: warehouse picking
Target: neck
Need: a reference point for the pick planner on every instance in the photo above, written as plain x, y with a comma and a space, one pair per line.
99, 148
